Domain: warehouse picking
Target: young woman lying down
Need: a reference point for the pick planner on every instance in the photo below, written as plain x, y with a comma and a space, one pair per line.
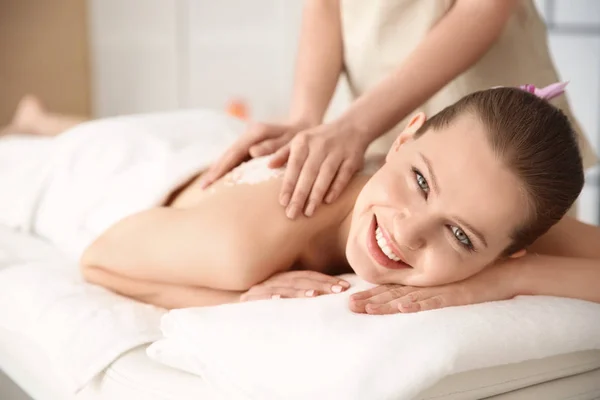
468, 206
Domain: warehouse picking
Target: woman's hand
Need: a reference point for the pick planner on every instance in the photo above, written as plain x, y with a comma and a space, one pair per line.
260, 139
294, 284
492, 284
320, 163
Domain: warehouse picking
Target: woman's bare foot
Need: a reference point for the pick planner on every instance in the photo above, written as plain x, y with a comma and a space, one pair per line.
29, 115
32, 118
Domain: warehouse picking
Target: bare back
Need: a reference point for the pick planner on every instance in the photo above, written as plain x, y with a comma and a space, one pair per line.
249, 195
229, 237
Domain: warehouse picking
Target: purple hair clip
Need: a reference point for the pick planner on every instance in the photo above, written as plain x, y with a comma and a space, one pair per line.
549, 92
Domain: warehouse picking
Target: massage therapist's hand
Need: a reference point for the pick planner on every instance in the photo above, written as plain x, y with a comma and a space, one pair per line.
492, 284
320, 163
294, 284
260, 139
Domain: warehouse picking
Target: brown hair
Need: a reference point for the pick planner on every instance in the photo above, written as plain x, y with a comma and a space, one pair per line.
536, 142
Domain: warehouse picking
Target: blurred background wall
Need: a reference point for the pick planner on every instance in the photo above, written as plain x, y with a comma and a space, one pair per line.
111, 57
44, 50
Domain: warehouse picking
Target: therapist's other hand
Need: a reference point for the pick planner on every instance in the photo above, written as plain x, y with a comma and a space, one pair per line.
492, 284
294, 284
320, 163
260, 139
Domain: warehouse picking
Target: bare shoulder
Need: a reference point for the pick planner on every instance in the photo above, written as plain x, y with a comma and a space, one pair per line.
570, 238
249, 218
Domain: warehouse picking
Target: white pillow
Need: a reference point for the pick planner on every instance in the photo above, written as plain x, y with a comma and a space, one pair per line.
317, 348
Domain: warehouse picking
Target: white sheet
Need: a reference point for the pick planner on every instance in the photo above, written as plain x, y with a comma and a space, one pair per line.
71, 188
271, 349
133, 375
81, 328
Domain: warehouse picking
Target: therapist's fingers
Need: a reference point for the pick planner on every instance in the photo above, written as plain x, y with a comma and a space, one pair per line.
232, 158
280, 157
294, 167
304, 184
239, 151
268, 146
322, 183
344, 174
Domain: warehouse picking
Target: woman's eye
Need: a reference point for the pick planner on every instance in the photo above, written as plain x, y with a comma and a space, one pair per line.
421, 181
462, 237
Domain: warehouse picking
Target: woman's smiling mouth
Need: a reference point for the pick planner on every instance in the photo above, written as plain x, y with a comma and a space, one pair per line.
381, 248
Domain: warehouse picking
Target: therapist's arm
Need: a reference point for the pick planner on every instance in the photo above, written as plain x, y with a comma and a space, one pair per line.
318, 68
453, 45
321, 161
319, 60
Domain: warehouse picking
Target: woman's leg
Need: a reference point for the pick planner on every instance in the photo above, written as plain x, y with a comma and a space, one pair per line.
32, 117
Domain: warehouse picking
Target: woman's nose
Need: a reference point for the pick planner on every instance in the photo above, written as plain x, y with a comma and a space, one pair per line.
410, 229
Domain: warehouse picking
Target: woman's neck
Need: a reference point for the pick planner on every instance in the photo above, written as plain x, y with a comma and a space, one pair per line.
328, 247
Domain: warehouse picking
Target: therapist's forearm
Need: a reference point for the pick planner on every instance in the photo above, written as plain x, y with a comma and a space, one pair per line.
453, 45
577, 278
319, 61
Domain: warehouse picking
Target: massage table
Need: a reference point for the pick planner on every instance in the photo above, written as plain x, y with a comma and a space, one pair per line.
133, 375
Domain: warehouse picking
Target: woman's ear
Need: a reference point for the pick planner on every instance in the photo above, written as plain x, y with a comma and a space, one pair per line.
518, 254
409, 131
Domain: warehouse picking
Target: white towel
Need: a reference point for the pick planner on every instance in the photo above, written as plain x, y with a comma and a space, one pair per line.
71, 188
81, 328
318, 349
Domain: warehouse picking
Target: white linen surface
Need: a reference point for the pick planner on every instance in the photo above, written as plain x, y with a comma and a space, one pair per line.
82, 328
317, 348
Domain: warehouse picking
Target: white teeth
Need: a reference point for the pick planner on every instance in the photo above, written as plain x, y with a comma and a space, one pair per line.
384, 246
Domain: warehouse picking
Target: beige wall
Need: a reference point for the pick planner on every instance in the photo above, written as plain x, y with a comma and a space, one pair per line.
43, 50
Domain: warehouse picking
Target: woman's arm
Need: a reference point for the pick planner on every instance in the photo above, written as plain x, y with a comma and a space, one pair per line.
159, 294
454, 44
319, 60
577, 278
565, 262
231, 241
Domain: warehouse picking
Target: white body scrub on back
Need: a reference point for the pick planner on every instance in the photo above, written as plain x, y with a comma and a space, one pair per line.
252, 172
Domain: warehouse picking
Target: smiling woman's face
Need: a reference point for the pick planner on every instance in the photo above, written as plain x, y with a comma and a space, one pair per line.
443, 204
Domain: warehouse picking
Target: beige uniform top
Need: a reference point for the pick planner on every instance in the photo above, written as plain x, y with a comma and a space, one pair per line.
380, 34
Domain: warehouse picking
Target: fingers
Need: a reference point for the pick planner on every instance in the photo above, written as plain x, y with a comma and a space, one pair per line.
232, 158
309, 280
239, 151
296, 160
269, 146
280, 157
304, 185
385, 300
321, 185
345, 173
366, 294
265, 292
296, 284
379, 296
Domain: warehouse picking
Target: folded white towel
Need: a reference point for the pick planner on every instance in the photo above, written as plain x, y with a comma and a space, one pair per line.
318, 349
